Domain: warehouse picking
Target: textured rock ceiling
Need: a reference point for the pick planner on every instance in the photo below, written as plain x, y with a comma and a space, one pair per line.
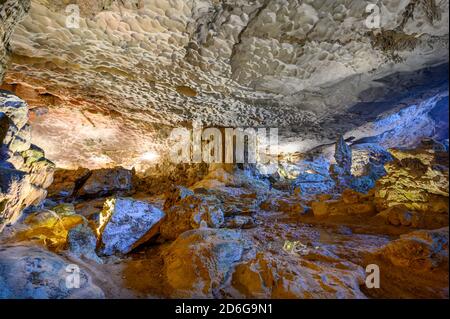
107, 91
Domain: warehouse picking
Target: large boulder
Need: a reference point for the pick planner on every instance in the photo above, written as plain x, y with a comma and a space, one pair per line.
189, 212
49, 228
200, 261
413, 266
35, 273
25, 173
351, 203
67, 182
281, 277
126, 223
103, 182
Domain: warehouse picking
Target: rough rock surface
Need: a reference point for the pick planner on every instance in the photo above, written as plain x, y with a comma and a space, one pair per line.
189, 212
199, 261
103, 182
25, 173
351, 203
419, 260
417, 179
126, 223
82, 242
341, 172
313, 68
269, 276
34, 273
50, 228
66, 182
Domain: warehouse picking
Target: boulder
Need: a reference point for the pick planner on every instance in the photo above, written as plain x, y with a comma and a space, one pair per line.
67, 182
189, 212
341, 171
175, 195
290, 205
200, 260
35, 273
50, 228
421, 250
126, 223
400, 215
413, 266
82, 242
279, 277
341, 208
103, 182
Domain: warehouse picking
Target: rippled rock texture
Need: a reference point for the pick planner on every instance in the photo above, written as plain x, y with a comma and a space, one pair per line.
117, 81
25, 173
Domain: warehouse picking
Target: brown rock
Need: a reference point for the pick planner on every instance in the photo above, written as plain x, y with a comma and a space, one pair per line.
188, 214
198, 262
107, 181
269, 276
350, 196
65, 182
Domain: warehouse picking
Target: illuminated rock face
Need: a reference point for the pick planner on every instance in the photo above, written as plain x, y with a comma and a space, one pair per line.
112, 85
34, 273
197, 263
11, 13
25, 173
106, 90
417, 179
127, 223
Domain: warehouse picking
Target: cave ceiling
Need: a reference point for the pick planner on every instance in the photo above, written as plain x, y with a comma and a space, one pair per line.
108, 91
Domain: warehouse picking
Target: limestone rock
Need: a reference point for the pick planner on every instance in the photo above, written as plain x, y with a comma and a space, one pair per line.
417, 179
341, 172
11, 13
199, 261
243, 222
420, 250
177, 194
286, 205
400, 215
126, 223
82, 242
35, 273
66, 182
50, 228
189, 212
107, 181
418, 260
268, 276
25, 173
350, 204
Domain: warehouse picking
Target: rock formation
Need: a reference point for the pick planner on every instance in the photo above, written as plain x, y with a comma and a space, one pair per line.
417, 179
25, 172
11, 13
